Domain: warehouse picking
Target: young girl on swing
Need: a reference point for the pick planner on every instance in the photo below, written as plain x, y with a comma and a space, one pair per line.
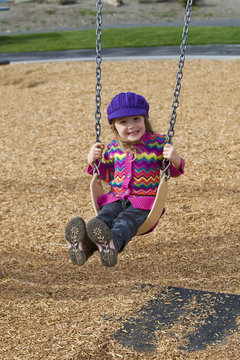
131, 166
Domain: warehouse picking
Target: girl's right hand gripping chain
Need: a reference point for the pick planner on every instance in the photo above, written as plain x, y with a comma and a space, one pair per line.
95, 153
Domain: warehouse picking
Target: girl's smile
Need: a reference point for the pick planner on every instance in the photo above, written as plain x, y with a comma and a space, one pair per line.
130, 128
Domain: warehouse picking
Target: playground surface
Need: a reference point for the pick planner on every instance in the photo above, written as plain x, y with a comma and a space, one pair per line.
167, 286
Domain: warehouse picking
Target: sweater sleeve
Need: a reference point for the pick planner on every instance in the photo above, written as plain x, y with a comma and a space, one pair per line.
175, 172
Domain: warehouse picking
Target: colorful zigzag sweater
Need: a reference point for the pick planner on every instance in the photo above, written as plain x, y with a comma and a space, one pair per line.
136, 179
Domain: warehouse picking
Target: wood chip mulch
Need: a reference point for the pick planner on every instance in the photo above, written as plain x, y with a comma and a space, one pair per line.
51, 309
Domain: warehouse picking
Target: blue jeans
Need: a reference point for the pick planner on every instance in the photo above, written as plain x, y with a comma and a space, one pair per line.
123, 220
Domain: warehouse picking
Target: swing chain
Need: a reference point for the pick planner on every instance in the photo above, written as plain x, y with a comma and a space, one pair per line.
179, 76
98, 86
183, 48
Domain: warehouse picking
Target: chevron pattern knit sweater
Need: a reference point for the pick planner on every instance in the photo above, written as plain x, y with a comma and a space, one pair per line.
136, 179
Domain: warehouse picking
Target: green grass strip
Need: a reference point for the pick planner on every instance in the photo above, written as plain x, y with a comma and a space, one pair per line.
118, 38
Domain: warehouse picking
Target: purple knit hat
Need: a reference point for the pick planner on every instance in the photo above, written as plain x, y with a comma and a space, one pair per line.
127, 104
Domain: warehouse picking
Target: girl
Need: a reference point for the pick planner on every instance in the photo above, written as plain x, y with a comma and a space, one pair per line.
131, 166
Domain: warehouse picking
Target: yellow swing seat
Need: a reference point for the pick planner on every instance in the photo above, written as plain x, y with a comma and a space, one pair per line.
96, 189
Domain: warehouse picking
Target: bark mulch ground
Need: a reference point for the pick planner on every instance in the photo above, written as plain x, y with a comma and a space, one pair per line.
51, 309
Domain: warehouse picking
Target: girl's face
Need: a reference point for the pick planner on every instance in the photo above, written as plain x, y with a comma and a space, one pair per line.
130, 128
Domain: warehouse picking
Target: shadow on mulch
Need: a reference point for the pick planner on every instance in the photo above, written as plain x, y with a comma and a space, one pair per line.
211, 318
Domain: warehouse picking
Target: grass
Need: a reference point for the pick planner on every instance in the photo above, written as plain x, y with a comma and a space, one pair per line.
118, 38
85, 12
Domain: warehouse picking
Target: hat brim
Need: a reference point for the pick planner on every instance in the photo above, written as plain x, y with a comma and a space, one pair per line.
127, 112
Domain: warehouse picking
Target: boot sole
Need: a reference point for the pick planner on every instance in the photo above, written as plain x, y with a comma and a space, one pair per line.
100, 234
75, 234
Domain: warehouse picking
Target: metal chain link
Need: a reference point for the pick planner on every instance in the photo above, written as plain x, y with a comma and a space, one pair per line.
183, 48
98, 86
179, 76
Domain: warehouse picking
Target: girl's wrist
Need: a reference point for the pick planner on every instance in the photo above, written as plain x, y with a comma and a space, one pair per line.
177, 163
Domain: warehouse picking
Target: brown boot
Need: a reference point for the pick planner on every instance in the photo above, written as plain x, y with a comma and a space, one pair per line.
80, 247
100, 234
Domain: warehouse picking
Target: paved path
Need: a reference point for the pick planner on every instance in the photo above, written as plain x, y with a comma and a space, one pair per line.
163, 52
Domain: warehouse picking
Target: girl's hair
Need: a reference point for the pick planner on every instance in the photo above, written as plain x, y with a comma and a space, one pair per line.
124, 145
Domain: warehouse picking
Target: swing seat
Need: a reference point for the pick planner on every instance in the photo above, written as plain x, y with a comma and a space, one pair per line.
96, 188
157, 207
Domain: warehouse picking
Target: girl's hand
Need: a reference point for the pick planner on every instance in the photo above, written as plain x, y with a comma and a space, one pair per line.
170, 153
95, 153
